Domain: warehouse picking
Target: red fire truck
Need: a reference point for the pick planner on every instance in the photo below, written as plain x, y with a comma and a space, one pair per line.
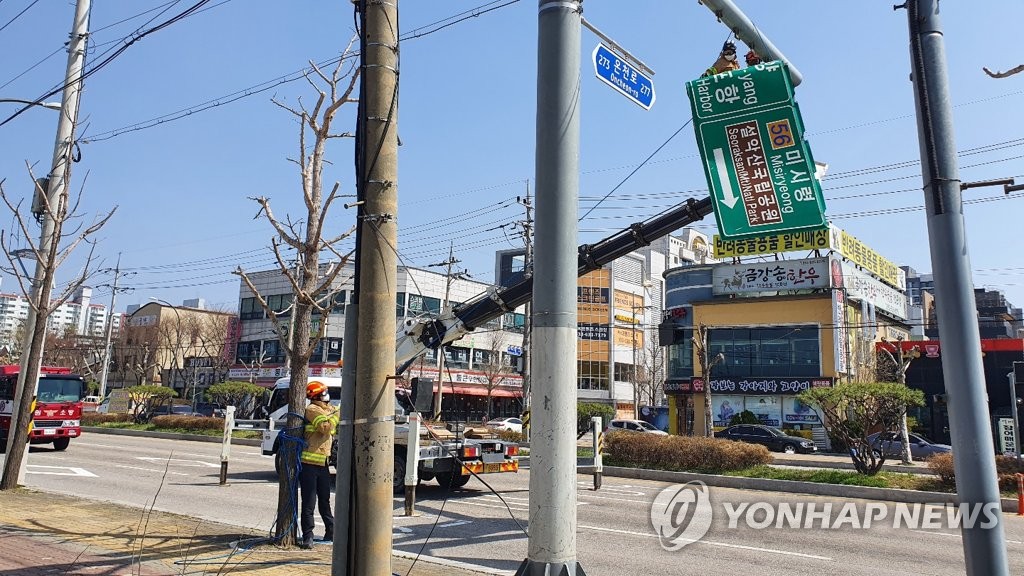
58, 412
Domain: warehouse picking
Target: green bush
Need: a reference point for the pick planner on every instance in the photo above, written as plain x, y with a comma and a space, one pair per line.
96, 418
587, 410
1006, 471
745, 417
188, 422
682, 453
511, 436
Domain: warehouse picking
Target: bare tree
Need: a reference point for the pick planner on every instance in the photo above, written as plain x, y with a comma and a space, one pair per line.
311, 285
899, 361
69, 230
495, 367
700, 348
651, 372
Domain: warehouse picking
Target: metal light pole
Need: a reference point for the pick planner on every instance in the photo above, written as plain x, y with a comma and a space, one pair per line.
55, 207
964, 375
50, 105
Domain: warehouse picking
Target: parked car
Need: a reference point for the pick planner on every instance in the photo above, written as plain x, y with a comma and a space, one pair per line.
505, 424
171, 410
634, 426
767, 436
891, 445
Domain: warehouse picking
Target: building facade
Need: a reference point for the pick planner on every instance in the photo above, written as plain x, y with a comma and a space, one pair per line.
79, 316
781, 327
483, 364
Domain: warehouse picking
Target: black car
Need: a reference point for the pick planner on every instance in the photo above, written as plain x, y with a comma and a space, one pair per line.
768, 436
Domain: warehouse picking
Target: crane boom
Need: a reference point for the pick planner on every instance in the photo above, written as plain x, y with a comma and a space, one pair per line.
419, 335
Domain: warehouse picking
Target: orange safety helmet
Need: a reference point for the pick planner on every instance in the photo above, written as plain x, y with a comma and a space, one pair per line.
315, 389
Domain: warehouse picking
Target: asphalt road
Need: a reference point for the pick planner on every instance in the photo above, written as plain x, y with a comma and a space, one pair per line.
614, 527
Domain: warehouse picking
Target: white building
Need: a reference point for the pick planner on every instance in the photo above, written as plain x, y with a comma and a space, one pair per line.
78, 315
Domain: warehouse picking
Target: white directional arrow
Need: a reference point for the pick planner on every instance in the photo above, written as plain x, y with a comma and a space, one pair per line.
177, 461
728, 196
58, 470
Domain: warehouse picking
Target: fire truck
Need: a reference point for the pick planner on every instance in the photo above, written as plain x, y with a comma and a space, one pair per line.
58, 406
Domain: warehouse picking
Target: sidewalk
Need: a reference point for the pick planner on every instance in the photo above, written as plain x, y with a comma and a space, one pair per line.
45, 534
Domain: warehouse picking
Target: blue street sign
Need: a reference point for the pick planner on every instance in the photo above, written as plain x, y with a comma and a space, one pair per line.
627, 79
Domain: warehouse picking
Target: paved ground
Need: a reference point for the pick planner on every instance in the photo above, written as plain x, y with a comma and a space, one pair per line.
42, 534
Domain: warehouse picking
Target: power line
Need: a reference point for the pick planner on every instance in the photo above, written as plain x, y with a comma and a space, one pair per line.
18, 15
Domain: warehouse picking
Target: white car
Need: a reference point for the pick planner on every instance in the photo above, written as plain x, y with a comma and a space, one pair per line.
635, 426
503, 424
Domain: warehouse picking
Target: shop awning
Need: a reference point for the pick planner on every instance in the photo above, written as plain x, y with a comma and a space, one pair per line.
497, 392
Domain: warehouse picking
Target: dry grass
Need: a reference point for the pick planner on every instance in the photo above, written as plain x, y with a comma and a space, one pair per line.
1006, 471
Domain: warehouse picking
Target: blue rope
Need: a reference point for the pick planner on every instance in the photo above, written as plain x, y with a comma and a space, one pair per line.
291, 447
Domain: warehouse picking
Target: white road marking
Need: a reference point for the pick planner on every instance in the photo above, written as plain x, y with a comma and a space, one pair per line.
65, 470
587, 494
710, 543
177, 461
158, 471
933, 533
452, 524
401, 529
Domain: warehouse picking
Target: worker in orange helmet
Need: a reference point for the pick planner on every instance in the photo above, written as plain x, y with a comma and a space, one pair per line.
315, 477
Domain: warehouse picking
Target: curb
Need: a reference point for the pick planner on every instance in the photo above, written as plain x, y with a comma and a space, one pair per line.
169, 435
924, 469
814, 488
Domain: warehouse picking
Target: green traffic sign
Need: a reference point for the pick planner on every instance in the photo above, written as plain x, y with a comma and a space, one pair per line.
759, 168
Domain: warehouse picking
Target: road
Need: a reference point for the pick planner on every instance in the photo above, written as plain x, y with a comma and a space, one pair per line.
614, 527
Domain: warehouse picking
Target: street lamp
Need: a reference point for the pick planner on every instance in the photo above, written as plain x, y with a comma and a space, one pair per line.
50, 105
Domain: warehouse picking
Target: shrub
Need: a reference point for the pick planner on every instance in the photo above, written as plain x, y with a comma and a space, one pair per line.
96, 418
188, 422
587, 410
682, 453
1006, 470
511, 436
744, 417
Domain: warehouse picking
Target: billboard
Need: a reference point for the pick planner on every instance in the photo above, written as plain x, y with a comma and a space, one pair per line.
759, 277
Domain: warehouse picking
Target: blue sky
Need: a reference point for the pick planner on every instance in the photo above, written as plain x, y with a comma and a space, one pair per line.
466, 120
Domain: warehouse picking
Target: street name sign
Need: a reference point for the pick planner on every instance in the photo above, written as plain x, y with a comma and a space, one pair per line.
758, 166
625, 78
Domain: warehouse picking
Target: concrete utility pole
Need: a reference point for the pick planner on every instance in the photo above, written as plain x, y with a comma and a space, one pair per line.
42, 283
448, 277
378, 277
552, 543
973, 449
110, 326
528, 309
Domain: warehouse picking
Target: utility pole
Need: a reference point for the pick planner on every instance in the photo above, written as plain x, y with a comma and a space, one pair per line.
55, 208
448, 277
902, 362
973, 449
110, 325
378, 276
528, 309
552, 543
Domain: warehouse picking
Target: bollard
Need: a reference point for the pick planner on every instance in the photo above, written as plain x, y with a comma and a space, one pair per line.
598, 447
225, 447
526, 424
412, 452
1020, 494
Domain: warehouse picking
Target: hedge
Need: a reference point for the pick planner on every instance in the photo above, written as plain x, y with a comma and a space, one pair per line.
1006, 470
682, 453
97, 418
188, 422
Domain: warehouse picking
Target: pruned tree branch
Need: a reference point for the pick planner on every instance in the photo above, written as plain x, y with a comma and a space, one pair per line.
1010, 72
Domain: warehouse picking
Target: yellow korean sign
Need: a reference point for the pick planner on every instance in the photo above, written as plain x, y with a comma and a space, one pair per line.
858, 252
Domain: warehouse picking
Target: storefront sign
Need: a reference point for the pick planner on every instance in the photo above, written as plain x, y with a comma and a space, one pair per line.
723, 408
678, 386
795, 411
1006, 445
859, 253
628, 338
586, 331
862, 286
770, 276
768, 409
772, 244
762, 385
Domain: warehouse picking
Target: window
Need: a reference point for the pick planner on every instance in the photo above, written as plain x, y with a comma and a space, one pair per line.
456, 357
514, 322
250, 310
783, 351
273, 352
423, 305
340, 299
680, 355
481, 358
334, 348
400, 305
592, 375
624, 372
280, 304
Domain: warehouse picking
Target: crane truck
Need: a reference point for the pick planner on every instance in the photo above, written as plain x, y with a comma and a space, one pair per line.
417, 335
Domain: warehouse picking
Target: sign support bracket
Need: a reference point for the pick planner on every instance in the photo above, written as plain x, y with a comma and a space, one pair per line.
617, 48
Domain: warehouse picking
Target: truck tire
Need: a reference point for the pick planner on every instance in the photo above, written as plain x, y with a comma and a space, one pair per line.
61, 444
450, 481
398, 478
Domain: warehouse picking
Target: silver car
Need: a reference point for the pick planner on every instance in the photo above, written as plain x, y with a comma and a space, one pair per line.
891, 445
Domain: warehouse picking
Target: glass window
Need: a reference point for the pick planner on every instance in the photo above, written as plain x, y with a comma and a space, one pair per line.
250, 309
400, 305
680, 355
339, 301
765, 352
280, 304
481, 357
592, 375
456, 357
334, 348
273, 352
514, 322
623, 372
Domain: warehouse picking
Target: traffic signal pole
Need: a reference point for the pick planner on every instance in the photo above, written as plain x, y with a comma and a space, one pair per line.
552, 542
973, 449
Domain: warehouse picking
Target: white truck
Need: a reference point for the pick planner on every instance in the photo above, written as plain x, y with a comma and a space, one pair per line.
481, 456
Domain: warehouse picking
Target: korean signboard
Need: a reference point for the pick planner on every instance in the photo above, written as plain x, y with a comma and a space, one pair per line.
1006, 437
862, 286
839, 335
860, 254
762, 385
759, 277
772, 244
759, 168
